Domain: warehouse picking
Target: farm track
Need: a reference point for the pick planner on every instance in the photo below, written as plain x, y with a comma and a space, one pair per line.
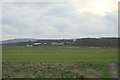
113, 70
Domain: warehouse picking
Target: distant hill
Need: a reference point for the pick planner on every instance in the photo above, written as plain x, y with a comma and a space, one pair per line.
18, 40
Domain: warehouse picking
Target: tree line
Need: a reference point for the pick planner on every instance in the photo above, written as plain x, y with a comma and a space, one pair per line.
98, 42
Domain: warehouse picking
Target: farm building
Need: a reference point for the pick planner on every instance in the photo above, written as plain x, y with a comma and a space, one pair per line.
36, 44
57, 43
54, 42
39, 44
29, 45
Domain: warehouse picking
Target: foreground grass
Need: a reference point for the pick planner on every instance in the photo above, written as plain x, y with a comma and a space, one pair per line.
58, 62
55, 70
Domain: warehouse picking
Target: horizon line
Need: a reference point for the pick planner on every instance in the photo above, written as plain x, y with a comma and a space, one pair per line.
59, 38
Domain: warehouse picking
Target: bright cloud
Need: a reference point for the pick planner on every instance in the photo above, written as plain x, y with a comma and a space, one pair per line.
101, 8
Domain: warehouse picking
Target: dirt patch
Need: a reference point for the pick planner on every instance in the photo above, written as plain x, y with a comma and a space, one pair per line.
73, 47
94, 47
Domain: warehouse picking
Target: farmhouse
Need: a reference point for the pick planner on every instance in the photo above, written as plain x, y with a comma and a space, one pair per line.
40, 44
36, 44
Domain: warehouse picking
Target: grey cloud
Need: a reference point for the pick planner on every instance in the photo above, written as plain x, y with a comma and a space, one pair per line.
54, 20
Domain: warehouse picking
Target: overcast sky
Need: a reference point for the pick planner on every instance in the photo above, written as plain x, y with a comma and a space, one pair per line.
60, 20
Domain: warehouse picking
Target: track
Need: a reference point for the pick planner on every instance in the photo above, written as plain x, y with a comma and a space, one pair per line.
113, 70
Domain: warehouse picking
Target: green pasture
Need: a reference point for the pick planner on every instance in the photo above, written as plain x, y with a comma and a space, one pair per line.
58, 54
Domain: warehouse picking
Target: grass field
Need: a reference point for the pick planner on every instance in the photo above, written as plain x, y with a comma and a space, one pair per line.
58, 62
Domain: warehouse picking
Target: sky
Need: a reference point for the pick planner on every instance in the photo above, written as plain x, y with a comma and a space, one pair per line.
59, 20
